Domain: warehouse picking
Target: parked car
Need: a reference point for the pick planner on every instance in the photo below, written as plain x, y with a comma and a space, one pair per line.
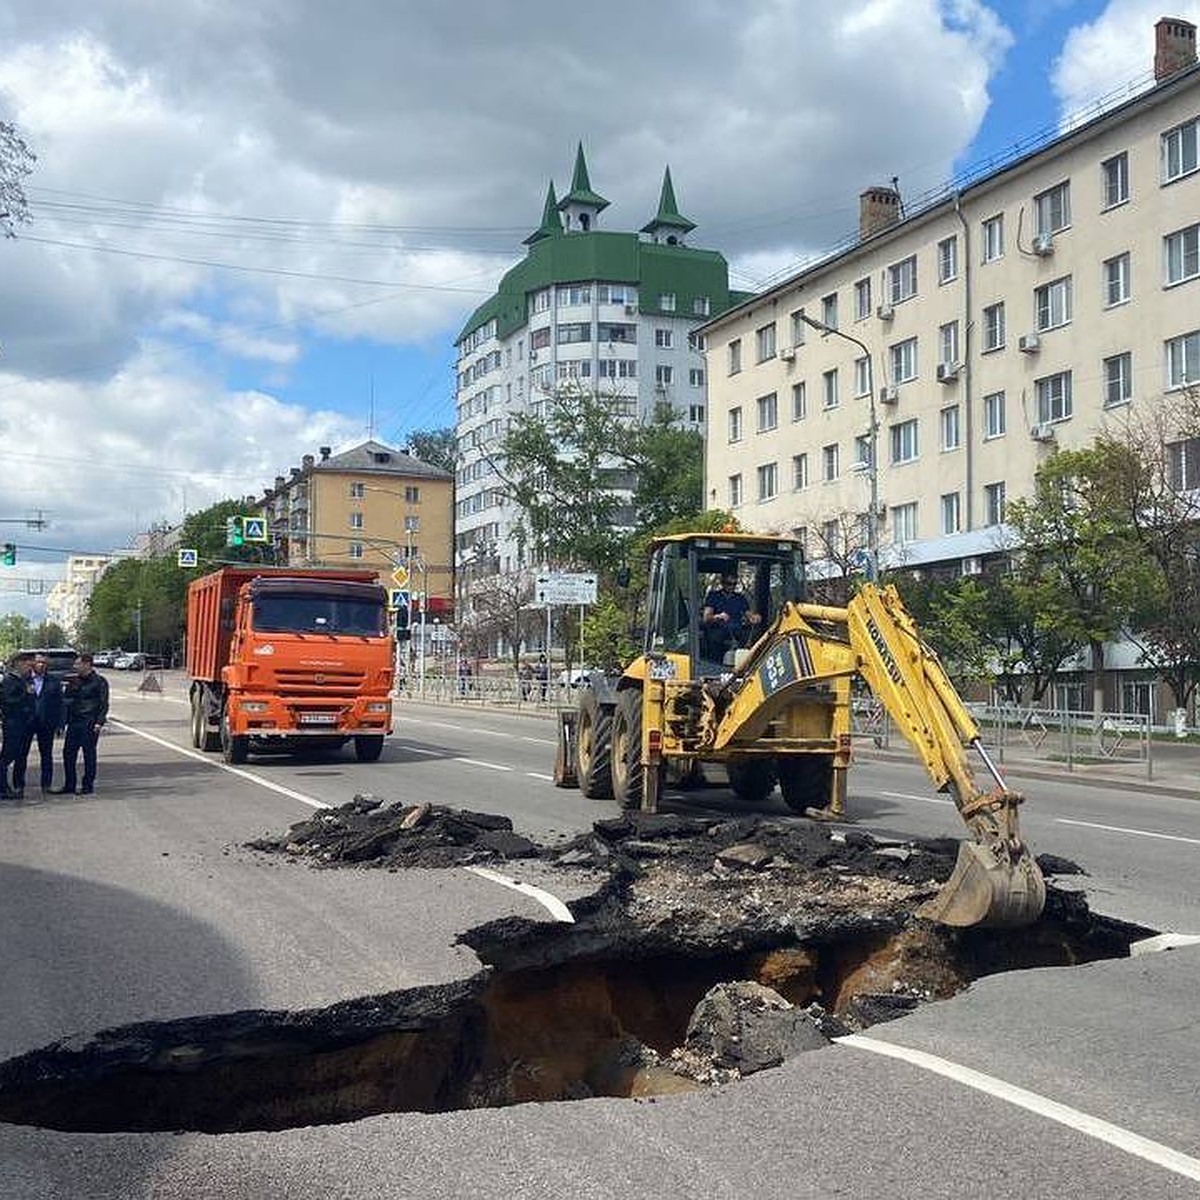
130, 662
103, 658
573, 677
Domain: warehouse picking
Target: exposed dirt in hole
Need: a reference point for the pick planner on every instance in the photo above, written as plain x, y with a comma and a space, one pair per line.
714, 949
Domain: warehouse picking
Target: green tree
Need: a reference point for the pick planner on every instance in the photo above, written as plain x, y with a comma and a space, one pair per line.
16, 161
669, 463
49, 633
15, 634
437, 447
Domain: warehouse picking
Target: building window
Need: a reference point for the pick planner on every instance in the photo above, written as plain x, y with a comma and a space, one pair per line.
993, 238
574, 332
768, 413
696, 414
799, 472
993, 415
829, 389
735, 491
356, 549
862, 376
768, 481
539, 339
904, 442
412, 494
950, 427
412, 524
764, 341
664, 339
696, 376
1183, 360
862, 299
735, 424
358, 491
902, 279
798, 327
356, 520
951, 517
1114, 177
1183, 461
947, 258
540, 301
1053, 394
666, 302
700, 306
574, 294
1118, 379
1179, 150
799, 402
1116, 280
948, 343
664, 375
1052, 304
829, 313
1182, 254
904, 523
904, 360
993, 503
735, 356
829, 463
1052, 209
618, 368
830, 535
993, 327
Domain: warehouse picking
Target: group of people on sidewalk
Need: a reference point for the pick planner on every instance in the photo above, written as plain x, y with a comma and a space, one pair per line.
36, 705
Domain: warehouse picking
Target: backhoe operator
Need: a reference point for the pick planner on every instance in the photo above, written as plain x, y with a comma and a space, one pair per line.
726, 616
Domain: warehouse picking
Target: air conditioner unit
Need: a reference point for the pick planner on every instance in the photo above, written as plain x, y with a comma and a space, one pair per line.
533, 356
631, 310
885, 312
1043, 245
788, 353
1043, 431
1029, 343
947, 372
972, 565
889, 394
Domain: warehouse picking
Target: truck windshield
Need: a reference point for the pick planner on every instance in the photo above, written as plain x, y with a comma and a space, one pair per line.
301, 613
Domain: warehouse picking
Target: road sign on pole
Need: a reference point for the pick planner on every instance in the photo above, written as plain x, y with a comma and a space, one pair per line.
186, 558
254, 529
397, 598
563, 588
400, 576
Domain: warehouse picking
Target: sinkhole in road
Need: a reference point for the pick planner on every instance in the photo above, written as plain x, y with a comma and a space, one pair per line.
604, 1007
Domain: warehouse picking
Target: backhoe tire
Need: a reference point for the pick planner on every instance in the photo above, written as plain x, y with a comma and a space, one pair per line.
806, 780
368, 747
752, 779
235, 749
593, 747
628, 773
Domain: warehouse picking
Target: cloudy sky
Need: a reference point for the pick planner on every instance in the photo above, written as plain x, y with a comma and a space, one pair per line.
258, 224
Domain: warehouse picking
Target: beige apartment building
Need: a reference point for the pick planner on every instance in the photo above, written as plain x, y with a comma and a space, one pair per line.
1021, 312
373, 506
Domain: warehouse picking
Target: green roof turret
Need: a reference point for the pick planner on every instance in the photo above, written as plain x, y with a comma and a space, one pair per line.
668, 220
551, 222
581, 205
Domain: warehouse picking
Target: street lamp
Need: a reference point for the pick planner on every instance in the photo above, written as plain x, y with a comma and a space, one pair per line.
873, 463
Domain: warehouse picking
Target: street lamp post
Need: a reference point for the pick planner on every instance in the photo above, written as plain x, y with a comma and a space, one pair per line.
873, 442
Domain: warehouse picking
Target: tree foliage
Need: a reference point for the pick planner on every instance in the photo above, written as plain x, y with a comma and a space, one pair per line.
437, 447
16, 162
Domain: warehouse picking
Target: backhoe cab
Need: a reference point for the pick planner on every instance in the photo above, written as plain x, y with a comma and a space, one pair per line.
738, 669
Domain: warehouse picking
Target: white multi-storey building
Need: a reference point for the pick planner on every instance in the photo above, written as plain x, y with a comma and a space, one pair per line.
67, 600
606, 311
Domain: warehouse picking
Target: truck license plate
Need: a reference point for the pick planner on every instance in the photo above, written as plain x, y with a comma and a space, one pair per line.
318, 719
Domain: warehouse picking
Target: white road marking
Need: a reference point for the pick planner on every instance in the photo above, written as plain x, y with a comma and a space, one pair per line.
1042, 1106
420, 750
1166, 837
540, 741
557, 909
311, 801
476, 762
923, 799
537, 775
1162, 941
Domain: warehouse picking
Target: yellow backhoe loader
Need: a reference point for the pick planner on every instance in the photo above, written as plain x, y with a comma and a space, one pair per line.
739, 669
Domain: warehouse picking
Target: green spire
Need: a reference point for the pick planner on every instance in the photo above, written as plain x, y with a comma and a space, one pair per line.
581, 187
551, 223
668, 215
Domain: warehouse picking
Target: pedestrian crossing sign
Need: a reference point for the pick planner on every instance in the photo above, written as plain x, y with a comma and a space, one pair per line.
254, 529
397, 598
186, 558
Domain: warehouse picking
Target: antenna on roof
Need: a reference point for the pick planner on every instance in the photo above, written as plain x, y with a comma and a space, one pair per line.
371, 410
899, 198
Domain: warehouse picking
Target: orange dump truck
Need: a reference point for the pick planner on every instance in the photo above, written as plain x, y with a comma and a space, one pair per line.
285, 659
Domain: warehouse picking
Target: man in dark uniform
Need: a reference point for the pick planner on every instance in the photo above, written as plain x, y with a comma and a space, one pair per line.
17, 700
85, 709
47, 716
726, 617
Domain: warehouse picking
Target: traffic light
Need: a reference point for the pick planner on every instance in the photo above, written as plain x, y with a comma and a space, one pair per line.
9, 557
235, 531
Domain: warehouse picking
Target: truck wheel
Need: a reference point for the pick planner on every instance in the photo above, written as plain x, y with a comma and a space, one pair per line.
233, 749
368, 747
752, 779
806, 780
197, 722
628, 773
593, 747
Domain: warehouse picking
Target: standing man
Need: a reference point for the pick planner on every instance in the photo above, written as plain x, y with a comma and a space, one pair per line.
85, 708
47, 716
17, 699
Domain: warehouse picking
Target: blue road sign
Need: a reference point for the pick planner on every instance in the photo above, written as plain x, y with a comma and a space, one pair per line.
397, 598
186, 558
254, 529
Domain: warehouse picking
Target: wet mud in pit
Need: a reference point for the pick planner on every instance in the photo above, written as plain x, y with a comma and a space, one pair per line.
709, 949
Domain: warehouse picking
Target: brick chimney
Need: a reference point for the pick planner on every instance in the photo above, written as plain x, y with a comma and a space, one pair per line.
878, 208
1174, 46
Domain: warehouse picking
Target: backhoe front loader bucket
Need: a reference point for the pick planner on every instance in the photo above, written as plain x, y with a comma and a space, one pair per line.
989, 886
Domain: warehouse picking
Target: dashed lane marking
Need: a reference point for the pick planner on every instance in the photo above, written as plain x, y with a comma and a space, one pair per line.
1166, 837
498, 733
557, 909
1042, 1106
449, 756
536, 775
923, 799
208, 760
478, 762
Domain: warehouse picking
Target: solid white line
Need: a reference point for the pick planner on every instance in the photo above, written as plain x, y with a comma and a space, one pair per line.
923, 799
1042, 1106
537, 775
1166, 837
223, 766
557, 909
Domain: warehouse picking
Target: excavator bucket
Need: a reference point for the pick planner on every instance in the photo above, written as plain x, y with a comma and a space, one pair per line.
989, 887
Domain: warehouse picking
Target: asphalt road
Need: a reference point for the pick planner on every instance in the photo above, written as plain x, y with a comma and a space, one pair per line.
139, 903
